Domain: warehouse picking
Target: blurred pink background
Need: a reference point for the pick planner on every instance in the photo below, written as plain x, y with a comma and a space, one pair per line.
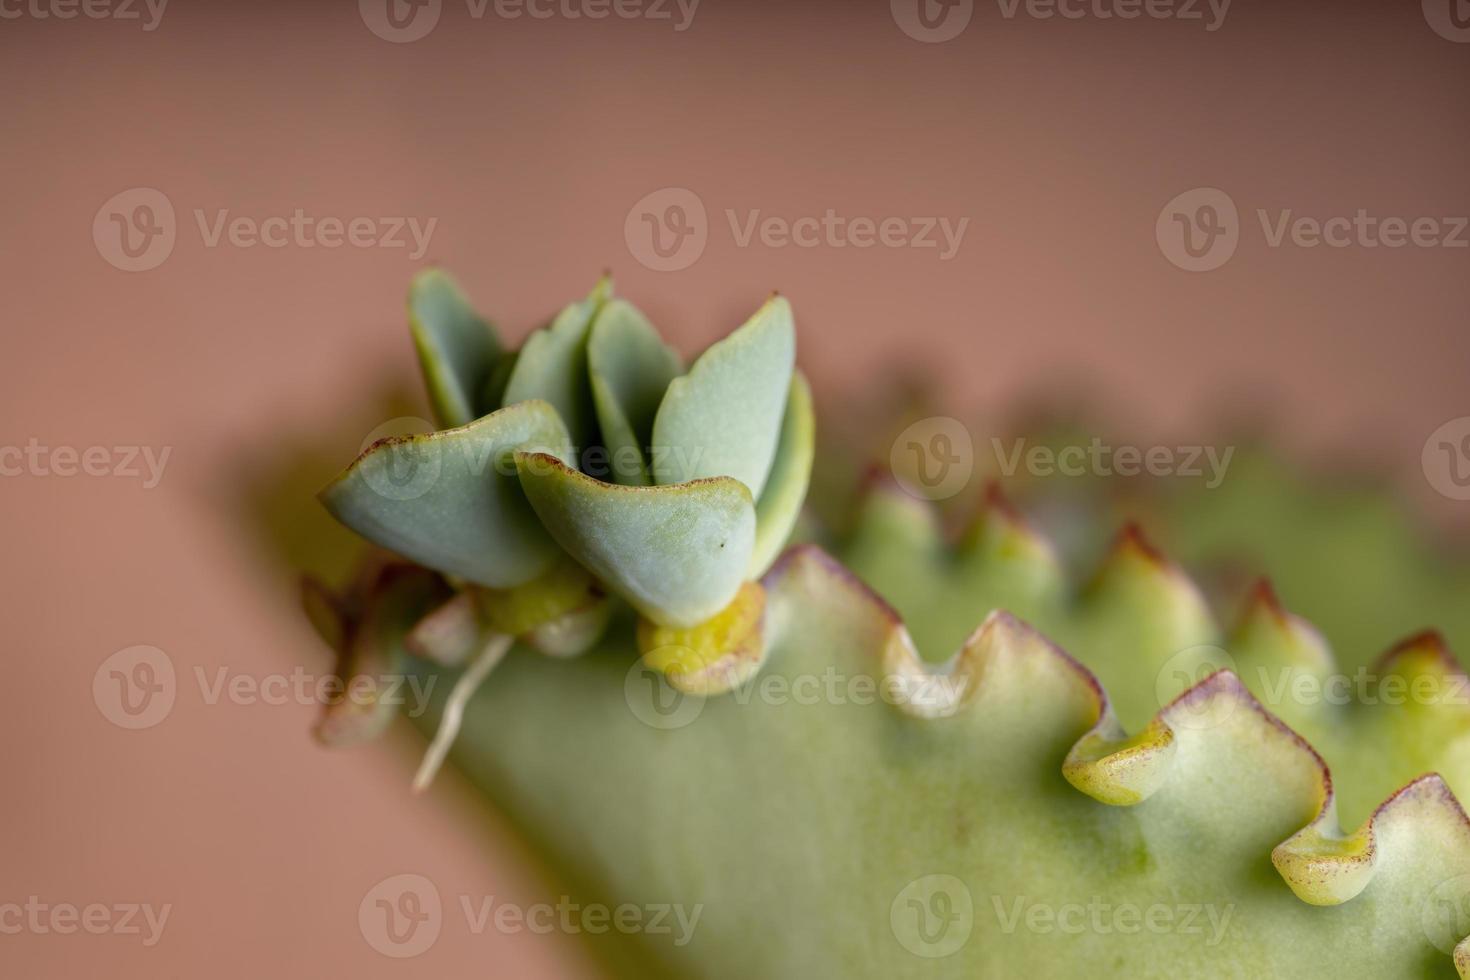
528, 142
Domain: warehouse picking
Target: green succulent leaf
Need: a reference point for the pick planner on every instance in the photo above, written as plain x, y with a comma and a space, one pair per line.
552, 366
780, 502
677, 554
630, 369
457, 349
723, 418
1142, 810
451, 500
965, 851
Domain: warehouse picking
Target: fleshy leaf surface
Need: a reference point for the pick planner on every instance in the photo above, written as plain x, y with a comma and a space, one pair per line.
452, 500
552, 366
457, 349
780, 502
677, 554
842, 835
1145, 629
630, 368
723, 418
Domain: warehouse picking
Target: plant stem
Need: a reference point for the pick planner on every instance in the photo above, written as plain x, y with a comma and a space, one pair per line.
474, 675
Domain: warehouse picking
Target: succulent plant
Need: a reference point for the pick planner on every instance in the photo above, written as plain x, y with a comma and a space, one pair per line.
681, 716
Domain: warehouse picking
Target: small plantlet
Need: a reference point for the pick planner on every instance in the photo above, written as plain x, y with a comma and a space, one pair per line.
1101, 781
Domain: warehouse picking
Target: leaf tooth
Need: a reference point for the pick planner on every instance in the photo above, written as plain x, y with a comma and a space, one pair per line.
998, 533
890, 519
1134, 564
1322, 865
1115, 768
1271, 645
1425, 651
1432, 696
1001, 643
1139, 593
1325, 866
1119, 769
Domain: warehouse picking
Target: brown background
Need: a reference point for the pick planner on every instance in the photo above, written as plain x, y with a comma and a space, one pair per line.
530, 141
